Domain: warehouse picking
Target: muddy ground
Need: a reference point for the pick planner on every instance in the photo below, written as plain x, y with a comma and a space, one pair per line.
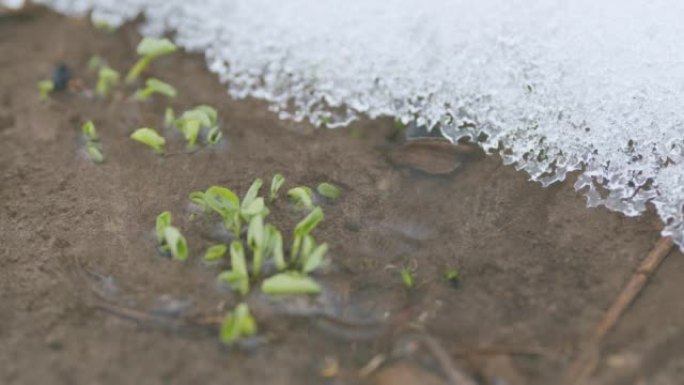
86, 299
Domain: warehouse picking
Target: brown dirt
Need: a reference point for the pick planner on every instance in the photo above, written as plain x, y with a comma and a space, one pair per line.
538, 268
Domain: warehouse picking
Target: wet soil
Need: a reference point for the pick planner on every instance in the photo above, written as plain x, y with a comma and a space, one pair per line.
86, 299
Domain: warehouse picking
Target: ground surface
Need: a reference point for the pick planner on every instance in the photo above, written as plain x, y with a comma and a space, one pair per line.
538, 268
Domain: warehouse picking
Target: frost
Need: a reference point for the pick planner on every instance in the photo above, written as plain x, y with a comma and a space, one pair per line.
594, 88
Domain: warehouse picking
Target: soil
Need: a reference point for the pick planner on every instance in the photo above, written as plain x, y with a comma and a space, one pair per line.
86, 299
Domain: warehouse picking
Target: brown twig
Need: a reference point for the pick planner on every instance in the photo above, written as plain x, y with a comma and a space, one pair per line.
587, 361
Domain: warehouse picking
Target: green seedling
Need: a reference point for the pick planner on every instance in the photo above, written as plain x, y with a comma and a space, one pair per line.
237, 277
407, 278
314, 259
275, 246
290, 283
215, 253
303, 228
226, 204
237, 324
163, 221
197, 198
89, 130
107, 78
328, 190
44, 88
302, 196
149, 48
93, 151
176, 243
257, 240
453, 276
155, 86
276, 183
253, 205
192, 122
151, 138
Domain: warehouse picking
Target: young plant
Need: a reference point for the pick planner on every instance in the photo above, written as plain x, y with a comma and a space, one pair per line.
44, 88
407, 278
89, 130
328, 190
192, 122
275, 246
214, 135
107, 78
155, 86
257, 239
176, 243
253, 205
237, 324
226, 204
93, 151
276, 183
163, 221
215, 253
314, 259
149, 48
197, 198
151, 138
237, 277
290, 283
303, 228
302, 196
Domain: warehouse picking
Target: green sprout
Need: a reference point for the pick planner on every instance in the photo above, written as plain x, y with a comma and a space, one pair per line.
151, 138
163, 221
314, 259
226, 204
89, 130
328, 190
237, 324
303, 228
453, 276
215, 253
176, 243
192, 122
44, 88
275, 246
93, 151
237, 277
290, 283
197, 198
276, 183
407, 278
106, 79
302, 196
257, 241
155, 86
149, 48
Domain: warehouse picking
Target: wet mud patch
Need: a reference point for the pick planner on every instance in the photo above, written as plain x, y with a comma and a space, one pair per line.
85, 298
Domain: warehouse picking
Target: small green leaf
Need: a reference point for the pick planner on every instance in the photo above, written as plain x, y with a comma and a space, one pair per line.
222, 200
276, 183
44, 88
255, 233
94, 152
155, 86
197, 198
210, 112
290, 283
149, 137
257, 207
176, 243
328, 190
191, 130
154, 47
306, 225
106, 79
275, 240
314, 260
89, 131
214, 135
407, 278
163, 221
237, 324
252, 192
239, 267
302, 196
215, 252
